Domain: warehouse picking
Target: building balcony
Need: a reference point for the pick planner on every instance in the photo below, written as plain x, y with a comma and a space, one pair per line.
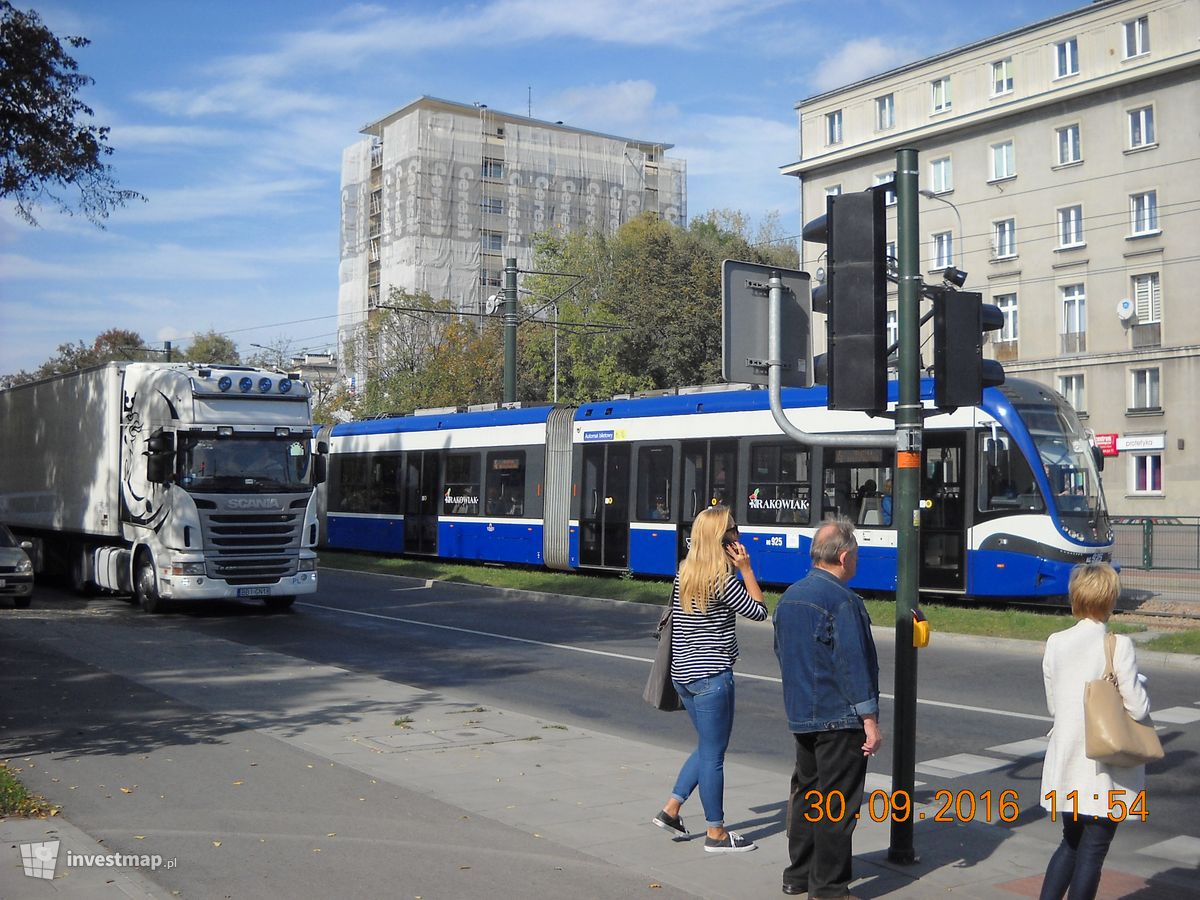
1148, 335
1006, 351
1074, 342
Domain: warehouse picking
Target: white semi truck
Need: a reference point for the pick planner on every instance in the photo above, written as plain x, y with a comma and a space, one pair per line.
170, 481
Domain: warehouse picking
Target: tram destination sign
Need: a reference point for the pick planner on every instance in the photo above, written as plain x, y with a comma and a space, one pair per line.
744, 322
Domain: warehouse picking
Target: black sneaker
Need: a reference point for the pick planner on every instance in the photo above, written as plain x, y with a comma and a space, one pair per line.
673, 824
731, 843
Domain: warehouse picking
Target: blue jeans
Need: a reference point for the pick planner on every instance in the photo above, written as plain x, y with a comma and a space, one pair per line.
1077, 862
709, 702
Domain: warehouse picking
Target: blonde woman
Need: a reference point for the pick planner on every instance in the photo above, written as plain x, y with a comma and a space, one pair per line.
1081, 790
705, 600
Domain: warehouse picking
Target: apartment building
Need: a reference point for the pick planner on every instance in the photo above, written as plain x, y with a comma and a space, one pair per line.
1060, 168
438, 194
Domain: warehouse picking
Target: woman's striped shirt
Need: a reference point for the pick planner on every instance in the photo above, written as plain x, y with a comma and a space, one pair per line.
704, 644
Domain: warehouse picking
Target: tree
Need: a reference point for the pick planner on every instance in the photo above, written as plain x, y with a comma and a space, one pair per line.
113, 344
47, 153
212, 347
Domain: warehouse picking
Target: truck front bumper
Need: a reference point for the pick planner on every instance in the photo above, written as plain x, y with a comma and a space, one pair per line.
201, 587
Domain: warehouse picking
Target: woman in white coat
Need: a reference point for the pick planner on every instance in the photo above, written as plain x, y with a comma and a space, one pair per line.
1089, 796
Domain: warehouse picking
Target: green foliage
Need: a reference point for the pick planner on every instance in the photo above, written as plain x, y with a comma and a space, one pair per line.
212, 347
16, 801
113, 344
46, 154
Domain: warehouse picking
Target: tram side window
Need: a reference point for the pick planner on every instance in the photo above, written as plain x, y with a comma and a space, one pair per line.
779, 485
1006, 481
654, 483
461, 494
350, 483
506, 483
858, 485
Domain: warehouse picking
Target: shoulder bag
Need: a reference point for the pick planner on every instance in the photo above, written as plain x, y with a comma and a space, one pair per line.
659, 691
1112, 737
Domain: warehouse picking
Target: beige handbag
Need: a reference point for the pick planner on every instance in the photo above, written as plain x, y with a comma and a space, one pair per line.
1112, 736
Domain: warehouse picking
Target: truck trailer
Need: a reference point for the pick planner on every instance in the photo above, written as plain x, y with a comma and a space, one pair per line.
168, 481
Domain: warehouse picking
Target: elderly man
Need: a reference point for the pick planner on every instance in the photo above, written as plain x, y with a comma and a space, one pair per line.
831, 694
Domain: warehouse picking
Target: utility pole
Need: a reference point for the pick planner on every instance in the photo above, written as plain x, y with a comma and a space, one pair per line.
906, 516
510, 330
167, 345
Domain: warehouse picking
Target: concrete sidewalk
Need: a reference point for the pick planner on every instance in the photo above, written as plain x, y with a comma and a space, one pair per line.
582, 789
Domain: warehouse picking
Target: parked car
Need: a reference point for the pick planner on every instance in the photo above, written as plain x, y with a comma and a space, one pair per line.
16, 569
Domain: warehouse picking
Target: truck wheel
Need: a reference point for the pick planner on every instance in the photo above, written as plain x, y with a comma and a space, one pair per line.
279, 604
145, 589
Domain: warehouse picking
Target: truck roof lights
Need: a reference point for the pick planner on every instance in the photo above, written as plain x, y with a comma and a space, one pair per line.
285, 385
245, 383
225, 383
264, 384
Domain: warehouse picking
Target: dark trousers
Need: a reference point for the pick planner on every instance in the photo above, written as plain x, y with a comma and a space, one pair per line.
820, 850
1077, 862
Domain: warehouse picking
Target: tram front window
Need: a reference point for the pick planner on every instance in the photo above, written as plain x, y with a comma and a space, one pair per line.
1065, 455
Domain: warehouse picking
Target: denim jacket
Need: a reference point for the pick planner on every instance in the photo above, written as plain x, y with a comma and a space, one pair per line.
826, 655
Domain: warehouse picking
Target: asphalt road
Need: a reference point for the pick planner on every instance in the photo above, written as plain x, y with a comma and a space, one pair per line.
581, 662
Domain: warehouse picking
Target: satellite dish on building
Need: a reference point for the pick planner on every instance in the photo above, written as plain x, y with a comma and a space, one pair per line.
1125, 309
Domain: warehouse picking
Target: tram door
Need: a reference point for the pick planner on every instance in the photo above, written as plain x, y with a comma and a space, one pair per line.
709, 473
943, 512
421, 496
604, 506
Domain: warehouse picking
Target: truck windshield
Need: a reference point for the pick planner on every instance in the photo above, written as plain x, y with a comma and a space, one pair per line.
244, 464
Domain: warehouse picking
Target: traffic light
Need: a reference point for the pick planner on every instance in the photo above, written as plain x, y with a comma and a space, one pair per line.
855, 298
960, 373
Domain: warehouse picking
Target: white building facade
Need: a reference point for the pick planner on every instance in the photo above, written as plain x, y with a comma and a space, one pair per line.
439, 194
1063, 164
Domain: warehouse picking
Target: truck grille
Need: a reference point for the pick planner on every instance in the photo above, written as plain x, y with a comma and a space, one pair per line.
253, 547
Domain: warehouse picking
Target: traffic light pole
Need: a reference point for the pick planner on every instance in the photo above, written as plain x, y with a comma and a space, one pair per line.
510, 330
907, 493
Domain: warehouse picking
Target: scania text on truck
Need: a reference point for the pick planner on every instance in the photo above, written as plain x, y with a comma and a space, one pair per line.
170, 481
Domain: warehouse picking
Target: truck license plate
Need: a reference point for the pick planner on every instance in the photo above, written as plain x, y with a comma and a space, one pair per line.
254, 592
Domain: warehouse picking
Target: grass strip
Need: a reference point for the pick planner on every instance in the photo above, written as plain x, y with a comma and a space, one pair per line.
16, 801
978, 620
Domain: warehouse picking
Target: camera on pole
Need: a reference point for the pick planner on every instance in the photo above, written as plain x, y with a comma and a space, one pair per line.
855, 298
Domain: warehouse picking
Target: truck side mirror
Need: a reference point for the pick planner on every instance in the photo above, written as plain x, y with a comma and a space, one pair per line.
1098, 456
158, 468
161, 442
320, 469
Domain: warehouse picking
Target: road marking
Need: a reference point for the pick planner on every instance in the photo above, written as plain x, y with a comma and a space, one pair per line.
961, 764
1176, 715
1181, 849
643, 659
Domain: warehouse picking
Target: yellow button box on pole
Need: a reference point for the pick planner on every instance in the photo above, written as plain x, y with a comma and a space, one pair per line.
920, 629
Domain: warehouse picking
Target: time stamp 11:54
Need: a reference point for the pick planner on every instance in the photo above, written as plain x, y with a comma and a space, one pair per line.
965, 806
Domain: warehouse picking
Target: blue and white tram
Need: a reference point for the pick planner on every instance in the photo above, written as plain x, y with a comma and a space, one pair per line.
1011, 494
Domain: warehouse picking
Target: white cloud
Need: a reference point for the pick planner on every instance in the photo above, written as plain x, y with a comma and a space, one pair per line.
130, 137
626, 107
857, 60
237, 198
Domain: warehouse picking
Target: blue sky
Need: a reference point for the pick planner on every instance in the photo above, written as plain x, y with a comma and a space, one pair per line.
231, 118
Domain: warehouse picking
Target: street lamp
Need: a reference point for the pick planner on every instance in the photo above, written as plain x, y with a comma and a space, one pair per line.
925, 192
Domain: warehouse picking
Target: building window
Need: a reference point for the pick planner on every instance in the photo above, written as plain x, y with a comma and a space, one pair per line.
1143, 213
1004, 238
1007, 304
1066, 57
885, 112
1074, 337
1141, 127
1145, 473
492, 168
1071, 387
492, 206
1147, 302
889, 253
833, 127
1069, 148
1137, 37
940, 94
492, 242
892, 334
941, 175
1070, 227
1004, 164
943, 249
1002, 79
1145, 390
489, 277
889, 196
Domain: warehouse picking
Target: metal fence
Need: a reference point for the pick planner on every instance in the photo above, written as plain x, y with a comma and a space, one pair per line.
1159, 555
